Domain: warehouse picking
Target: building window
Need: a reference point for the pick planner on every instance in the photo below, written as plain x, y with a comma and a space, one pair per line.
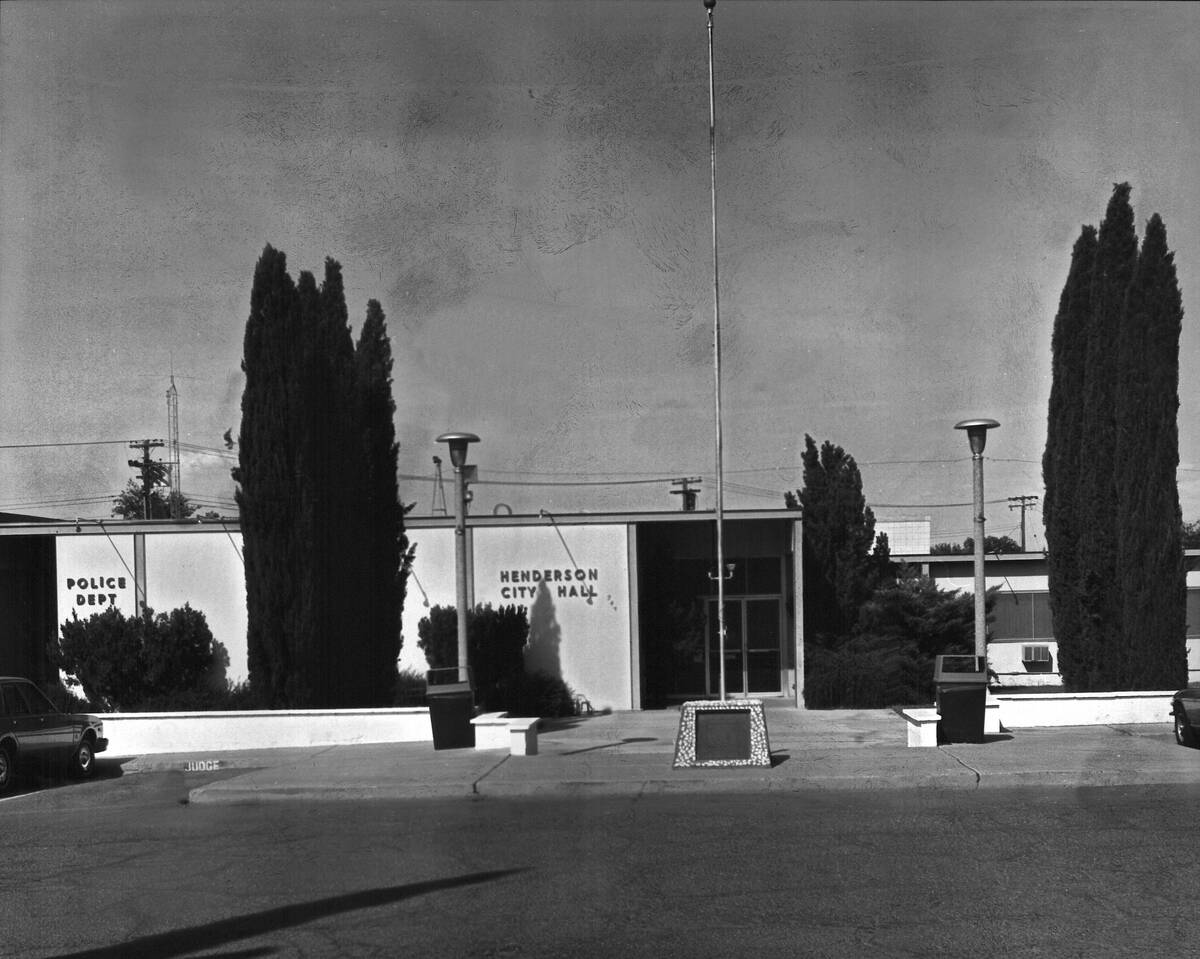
1022, 615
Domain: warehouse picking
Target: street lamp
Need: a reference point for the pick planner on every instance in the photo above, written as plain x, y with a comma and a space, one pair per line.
977, 435
458, 443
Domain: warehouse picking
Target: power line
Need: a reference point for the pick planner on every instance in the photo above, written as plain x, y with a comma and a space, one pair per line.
927, 505
34, 446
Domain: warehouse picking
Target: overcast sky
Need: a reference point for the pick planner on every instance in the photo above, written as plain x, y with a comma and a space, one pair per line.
525, 188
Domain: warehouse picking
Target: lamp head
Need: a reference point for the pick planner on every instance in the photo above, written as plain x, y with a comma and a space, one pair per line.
976, 432
458, 443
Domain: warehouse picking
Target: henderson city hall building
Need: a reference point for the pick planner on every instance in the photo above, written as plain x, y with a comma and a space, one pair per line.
621, 606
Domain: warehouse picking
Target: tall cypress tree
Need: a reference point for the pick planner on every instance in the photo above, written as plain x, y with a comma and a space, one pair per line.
312, 449
385, 543
1099, 604
1113, 523
267, 464
306, 680
1152, 576
1062, 461
342, 480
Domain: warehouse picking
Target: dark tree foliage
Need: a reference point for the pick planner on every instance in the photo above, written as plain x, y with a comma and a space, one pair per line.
840, 570
1099, 603
915, 609
268, 495
388, 555
1061, 462
889, 660
131, 503
842, 666
1113, 524
146, 662
496, 639
329, 652
1152, 580
321, 517
992, 545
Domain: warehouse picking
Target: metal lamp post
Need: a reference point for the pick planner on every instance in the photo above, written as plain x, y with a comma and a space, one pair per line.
977, 435
458, 443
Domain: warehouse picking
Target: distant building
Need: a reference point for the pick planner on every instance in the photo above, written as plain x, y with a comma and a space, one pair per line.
906, 537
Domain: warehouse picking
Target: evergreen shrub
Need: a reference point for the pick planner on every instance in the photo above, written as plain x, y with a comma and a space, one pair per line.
145, 663
496, 639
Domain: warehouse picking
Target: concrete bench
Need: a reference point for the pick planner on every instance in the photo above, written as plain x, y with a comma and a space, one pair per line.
922, 726
523, 736
491, 730
517, 734
991, 716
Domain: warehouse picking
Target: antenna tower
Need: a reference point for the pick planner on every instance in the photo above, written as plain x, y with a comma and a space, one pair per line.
176, 499
439, 491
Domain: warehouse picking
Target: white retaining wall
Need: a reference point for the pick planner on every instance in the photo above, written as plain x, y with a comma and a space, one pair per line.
1026, 710
136, 734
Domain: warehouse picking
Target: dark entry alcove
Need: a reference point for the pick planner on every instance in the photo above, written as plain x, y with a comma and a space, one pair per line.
677, 609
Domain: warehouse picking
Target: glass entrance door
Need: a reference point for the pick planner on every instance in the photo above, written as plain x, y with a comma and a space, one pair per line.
752, 647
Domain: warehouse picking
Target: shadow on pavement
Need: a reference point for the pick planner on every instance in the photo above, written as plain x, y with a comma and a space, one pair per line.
40, 779
572, 722
182, 941
627, 739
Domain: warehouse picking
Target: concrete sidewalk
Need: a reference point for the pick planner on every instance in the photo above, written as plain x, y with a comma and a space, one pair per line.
631, 753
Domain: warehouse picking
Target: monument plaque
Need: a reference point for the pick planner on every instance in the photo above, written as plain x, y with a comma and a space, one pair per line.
728, 733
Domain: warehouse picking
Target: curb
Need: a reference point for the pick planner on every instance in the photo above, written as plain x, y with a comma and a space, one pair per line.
220, 794
233, 792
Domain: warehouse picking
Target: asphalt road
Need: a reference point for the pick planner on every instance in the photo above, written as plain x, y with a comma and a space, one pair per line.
124, 867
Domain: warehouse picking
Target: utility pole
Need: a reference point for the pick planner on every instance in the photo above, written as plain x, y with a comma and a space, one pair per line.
687, 492
1022, 503
152, 471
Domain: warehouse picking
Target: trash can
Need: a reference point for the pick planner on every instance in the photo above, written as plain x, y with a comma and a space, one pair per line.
960, 684
451, 701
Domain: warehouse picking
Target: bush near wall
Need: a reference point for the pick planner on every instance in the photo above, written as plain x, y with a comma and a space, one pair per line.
496, 640
145, 663
889, 659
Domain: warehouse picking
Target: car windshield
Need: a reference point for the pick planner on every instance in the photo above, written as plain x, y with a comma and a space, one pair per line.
25, 699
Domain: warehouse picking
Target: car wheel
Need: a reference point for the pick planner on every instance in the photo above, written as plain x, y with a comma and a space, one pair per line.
83, 763
7, 772
1184, 734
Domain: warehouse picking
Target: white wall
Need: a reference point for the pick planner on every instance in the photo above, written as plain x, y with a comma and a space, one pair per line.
94, 573
573, 580
204, 570
430, 584
1004, 657
1029, 710
136, 734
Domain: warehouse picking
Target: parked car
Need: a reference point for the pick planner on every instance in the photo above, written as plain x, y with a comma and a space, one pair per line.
33, 732
1185, 707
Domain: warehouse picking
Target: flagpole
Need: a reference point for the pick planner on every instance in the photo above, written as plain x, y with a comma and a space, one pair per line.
720, 470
